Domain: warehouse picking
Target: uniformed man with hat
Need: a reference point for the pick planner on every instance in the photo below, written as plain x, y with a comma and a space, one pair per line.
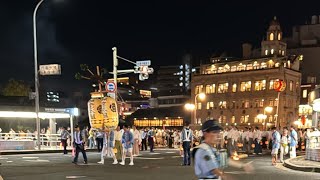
207, 161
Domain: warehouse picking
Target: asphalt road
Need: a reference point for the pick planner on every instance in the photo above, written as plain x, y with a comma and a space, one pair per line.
161, 165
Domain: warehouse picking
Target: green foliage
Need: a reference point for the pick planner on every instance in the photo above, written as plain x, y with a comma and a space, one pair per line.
16, 88
77, 76
84, 67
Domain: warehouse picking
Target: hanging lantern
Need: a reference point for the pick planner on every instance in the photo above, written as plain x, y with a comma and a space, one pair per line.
279, 85
253, 145
95, 113
110, 112
303, 119
267, 142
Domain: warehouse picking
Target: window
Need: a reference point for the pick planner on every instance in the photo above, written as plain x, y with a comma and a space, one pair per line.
246, 104
260, 85
279, 36
234, 87
222, 119
199, 106
210, 89
244, 119
233, 119
233, 68
196, 91
261, 103
276, 102
297, 87
263, 65
199, 89
220, 70
270, 118
291, 86
272, 51
271, 84
270, 102
256, 103
270, 63
256, 65
256, 120
233, 104
226, 68
305, 93
241, 67
210, 105
249, 67
266, 52
223, 87
245, 86
279, 52
282, 52
223, 104
271, 37
277, 64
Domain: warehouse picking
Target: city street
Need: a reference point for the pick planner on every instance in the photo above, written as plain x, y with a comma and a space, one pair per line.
163, 164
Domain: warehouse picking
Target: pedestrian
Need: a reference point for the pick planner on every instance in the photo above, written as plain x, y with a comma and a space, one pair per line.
257, 139
78, 144
64, 138
245, 140
143, 139
108, 145
118, 145
207, 159
187, 143
151, 134
293, 142
284, 142
127, 143
91, 139
136, 141
99, 139
275, 145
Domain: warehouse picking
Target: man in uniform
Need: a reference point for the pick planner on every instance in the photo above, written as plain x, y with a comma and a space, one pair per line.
64, 137
187, 142
206, 158
78, 144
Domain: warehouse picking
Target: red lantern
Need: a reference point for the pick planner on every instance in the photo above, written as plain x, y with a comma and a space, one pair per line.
303, 119
279, 85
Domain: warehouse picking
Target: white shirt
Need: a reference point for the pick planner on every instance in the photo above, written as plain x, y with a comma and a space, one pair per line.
137, 135
117, 135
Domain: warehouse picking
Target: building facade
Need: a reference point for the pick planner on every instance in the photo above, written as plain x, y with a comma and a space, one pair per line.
238, 91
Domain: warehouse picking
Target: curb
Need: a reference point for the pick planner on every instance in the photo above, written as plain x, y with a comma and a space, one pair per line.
289, 165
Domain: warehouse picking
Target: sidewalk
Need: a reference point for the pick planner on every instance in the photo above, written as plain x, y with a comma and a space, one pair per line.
300, 164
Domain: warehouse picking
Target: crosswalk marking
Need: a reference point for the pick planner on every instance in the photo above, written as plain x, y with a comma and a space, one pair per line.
30, 157
75, 177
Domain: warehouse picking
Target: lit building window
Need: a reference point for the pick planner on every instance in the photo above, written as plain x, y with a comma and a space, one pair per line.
226, 68
234, 87
210, 89
223, 104
256, 103
271, 83
261, 102
291, 86
196, 91
222, 119
282, 53
277, 64
233, 68
210, 105
270, 63
279, 51
245, 86
241, 67
260, 85
271, 36
279, 36
249, 67
266, 52
256, 65
271, 102
199, 106
246, 104
272, 51
220, 70
276, 102
305, 93
263, 65
223, 87
244, 119
233, 104
256, 119
233, 119
270, 118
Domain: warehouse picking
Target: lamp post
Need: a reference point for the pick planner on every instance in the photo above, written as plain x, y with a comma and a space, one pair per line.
36, 75
201, 96
267, 109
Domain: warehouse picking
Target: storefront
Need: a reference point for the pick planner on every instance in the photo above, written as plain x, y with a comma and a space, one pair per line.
155, 122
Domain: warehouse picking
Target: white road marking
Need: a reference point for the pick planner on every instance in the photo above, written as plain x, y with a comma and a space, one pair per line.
235, 172
154, 153
176, 157
30, 157
3, 158
171, 152
75, 177
38, 160
147, 158
9, 161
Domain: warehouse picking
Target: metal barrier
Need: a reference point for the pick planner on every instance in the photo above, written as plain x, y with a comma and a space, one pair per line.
51, 141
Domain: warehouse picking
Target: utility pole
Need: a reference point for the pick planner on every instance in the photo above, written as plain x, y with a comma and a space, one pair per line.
115, 65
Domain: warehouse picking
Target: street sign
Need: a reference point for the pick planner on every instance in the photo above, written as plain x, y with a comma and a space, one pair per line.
143, 63
111, 86
50, 69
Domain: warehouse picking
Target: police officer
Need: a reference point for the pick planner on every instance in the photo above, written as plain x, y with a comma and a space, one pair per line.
206, 157
78, 144
187, 142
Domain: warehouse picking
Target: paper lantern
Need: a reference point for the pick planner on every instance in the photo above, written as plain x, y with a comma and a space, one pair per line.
110, 112
303, 120
95, 113
279, 85
253, 145
115, 151
267, 142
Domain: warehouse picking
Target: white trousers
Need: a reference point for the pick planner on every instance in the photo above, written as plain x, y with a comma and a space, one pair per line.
293, 153
283, 151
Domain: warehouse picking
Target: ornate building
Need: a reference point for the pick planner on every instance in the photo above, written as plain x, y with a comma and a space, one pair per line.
239, 90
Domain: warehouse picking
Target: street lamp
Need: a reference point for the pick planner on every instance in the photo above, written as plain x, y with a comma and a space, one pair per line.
36, 75
267, 109
201, 96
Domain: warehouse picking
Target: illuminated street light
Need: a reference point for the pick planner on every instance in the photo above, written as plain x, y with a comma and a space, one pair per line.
189, 107
268, 109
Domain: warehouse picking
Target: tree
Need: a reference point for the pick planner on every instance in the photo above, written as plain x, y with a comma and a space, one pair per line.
16, 88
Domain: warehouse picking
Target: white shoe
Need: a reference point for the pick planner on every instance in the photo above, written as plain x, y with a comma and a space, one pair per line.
122, 163
101, 162
131, 164
135, 155
115, 162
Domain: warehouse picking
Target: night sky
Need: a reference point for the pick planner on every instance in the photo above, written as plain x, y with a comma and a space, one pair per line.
71, 32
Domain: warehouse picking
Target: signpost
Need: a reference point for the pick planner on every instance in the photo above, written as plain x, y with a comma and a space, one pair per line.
111, 87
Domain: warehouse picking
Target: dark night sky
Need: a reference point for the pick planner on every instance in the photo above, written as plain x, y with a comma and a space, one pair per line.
71, 32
